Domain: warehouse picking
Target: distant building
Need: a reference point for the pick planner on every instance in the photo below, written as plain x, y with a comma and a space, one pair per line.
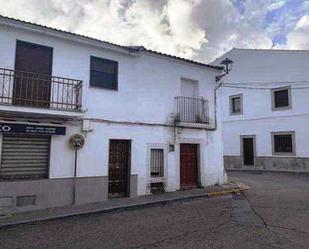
148, 120
265, 110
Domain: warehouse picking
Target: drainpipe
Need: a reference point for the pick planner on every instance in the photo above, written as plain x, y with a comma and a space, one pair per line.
219, 84
227, 63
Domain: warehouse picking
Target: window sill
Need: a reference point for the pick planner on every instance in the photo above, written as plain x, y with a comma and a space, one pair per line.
275, 109
236, 114
282, 154
194, 125
104, 88
157, 179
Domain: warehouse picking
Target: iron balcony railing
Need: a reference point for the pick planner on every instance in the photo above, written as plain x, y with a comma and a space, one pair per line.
192, 110
38, 90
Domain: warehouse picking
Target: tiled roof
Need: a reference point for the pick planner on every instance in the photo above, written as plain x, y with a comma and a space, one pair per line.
129, 48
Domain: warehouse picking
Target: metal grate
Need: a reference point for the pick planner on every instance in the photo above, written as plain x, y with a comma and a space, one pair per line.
27, 200
157, 162
24, 156
283, 143
192, 110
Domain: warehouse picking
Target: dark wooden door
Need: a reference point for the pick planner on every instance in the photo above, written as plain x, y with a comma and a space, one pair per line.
118, 170
248, 150
188, 165
32, 83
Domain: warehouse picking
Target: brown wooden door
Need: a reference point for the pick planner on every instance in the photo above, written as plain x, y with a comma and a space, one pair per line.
118, 170
248, 150
188, 165
32, 83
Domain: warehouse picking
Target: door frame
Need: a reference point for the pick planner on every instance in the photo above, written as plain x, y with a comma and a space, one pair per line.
198, 163
128, 190
242, 149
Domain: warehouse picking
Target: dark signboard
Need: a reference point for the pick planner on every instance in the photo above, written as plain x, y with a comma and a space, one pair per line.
31, 129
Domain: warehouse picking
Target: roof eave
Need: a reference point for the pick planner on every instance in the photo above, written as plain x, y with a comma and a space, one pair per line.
15, 23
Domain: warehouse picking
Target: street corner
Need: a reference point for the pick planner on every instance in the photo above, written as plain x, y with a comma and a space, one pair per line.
231, 187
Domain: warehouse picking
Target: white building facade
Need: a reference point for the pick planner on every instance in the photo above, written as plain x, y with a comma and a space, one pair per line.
147, 119
265, 111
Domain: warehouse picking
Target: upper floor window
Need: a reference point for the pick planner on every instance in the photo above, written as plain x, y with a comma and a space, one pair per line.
236, 104
281, 98
103, 73
283, 143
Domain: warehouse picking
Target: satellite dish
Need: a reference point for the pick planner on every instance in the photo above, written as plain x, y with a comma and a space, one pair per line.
77, 141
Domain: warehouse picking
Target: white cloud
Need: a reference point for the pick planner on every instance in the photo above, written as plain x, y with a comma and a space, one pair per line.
276, 5
298, 38
197, 29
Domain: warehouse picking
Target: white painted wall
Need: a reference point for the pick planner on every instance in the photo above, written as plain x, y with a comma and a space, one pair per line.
147, 86
260, 66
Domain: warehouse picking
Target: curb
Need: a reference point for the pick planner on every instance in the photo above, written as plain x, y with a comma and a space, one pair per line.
121, 208
227, 192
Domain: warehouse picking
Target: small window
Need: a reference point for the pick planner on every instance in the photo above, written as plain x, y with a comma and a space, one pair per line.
157, 163
103, 73
236, 104
281, 98
283, 143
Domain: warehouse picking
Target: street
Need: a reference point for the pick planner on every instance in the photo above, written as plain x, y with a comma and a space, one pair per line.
273, 214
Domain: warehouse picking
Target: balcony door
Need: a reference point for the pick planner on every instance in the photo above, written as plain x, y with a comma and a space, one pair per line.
32, 81
189, 88
190, 103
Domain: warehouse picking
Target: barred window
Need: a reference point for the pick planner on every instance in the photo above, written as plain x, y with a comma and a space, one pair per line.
157, 162
283, 143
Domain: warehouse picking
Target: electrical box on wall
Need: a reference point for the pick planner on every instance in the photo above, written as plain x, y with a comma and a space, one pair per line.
87, 125
171, 147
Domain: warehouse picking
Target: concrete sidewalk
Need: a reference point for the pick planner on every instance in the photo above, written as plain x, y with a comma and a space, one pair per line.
121, 204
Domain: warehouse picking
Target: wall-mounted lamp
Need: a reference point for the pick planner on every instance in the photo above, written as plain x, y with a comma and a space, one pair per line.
228, 64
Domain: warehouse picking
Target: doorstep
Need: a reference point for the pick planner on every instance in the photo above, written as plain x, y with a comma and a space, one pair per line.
120, 204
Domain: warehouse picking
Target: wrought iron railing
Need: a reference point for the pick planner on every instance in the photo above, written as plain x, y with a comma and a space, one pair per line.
192, 110
38, 90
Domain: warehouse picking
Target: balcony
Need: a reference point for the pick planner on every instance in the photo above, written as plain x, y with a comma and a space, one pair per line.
26, 89
192, 111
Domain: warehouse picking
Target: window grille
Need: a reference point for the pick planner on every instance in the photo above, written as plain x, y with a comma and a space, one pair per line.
283, 143
157, 162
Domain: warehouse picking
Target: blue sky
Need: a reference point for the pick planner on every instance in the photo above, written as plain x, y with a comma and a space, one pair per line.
197, 29
280, 17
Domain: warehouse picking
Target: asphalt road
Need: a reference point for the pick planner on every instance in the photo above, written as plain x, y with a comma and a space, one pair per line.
273, 214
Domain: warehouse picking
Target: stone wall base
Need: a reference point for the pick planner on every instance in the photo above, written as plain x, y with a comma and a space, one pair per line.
281, 164
26, 195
